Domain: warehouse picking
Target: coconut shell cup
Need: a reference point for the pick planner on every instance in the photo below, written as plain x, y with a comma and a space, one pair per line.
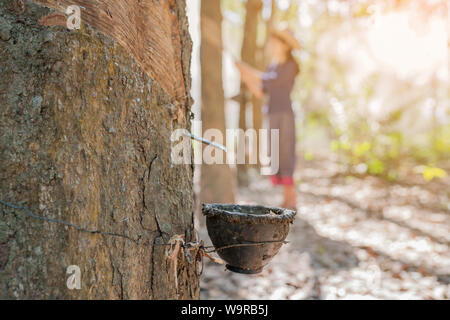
247, 237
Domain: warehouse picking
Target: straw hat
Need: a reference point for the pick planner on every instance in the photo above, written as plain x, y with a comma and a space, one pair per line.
287, 36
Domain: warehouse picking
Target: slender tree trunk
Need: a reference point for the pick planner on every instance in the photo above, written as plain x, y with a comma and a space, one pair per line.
249, 55
217, 181
85, 126
258, 61
270, 23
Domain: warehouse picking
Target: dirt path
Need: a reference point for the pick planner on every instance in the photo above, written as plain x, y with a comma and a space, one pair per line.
358, 238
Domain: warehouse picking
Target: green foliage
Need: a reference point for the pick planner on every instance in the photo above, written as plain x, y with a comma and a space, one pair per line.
385, 153
429, 173
376, 166
441, 143
308, 156
361, 148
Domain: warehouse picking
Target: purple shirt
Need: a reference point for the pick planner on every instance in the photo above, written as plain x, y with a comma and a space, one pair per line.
277, 82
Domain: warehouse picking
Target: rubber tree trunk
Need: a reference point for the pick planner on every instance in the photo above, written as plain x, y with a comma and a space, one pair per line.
249, 55
254, 15
85, 128
270, 23
217, 181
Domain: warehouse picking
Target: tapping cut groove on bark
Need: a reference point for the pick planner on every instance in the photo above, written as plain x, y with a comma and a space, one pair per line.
54, 19
149, 31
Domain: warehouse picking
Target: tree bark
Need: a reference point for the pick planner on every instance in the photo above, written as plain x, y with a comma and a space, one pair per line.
85, 132
217, 181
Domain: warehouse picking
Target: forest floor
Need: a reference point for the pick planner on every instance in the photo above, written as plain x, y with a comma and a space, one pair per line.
353, 238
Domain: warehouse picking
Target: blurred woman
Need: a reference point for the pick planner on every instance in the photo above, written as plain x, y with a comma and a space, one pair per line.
277, 83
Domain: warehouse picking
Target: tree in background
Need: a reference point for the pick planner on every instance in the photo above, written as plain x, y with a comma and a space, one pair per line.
217, 180
249, 55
